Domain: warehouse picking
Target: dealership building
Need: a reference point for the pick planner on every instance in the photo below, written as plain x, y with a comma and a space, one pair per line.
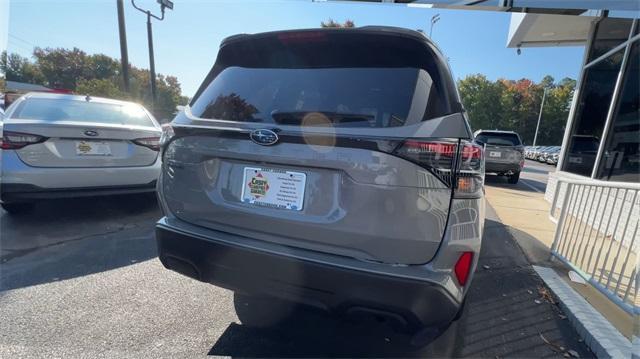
594, 193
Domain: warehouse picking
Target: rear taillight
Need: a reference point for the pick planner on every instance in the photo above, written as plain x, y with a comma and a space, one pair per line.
462, 268
459, 164
167, 134
16, 140
149, 142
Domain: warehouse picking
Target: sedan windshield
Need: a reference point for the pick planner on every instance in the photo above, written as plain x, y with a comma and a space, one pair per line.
54, 110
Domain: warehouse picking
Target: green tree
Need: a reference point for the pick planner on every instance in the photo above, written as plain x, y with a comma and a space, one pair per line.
331, 23
515, 105
63, 68
481, 99
94, 75
20, 69
99, 87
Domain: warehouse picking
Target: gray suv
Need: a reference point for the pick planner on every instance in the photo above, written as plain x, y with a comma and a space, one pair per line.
504, 153
328, 167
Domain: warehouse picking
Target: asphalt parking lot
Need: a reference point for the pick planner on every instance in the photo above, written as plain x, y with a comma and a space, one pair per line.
81, 278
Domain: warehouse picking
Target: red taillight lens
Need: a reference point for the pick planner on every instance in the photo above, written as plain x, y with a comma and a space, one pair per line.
462, 268
436, 156
16, 140
440, 157
301, 37
149, 142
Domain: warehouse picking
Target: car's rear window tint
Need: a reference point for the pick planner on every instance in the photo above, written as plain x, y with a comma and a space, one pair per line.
498, 139
327, 81
85, 111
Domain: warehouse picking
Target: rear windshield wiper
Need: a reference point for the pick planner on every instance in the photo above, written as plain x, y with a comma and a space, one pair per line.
335, 118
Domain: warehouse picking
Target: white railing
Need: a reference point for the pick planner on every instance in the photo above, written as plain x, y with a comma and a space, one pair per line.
597, 235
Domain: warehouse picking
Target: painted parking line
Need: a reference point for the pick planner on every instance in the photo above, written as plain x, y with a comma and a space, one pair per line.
524, 182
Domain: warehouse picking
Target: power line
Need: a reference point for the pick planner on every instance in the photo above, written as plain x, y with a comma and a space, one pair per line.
21, 39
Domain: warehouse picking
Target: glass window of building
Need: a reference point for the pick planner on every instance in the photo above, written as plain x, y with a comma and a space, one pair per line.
621, 156
599, 82
610, 32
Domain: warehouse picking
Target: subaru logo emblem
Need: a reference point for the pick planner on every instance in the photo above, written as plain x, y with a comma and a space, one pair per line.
264, 137
91, 133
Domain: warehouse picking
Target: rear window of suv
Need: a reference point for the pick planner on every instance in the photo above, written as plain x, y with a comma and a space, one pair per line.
322, 82
498, 139
53, 110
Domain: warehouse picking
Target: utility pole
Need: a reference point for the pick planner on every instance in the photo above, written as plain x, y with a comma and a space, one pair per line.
435, 18
124, 56
152, 66
535, 137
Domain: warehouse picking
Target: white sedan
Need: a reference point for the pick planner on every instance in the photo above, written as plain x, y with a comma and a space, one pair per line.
59, 146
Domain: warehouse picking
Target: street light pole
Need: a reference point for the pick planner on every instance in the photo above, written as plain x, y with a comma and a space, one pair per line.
152, 66
535, 137
124, 57
435, 18
152, 63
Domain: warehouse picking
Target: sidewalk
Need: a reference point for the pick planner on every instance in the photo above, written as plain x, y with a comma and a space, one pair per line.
526, 214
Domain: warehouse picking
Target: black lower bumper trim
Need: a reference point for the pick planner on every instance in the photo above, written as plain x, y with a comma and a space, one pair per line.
332, 288
11, 192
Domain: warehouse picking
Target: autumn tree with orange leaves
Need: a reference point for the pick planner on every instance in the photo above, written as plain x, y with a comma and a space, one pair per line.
515, 104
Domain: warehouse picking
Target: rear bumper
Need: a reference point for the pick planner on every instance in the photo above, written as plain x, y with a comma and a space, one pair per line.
502, 167
412, 303
19, 179
25, 192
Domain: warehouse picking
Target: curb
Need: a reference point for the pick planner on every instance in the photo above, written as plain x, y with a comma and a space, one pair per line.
602, 338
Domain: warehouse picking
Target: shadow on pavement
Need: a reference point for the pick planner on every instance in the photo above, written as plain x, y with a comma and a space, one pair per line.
309, 332
501, 319
507, 313
500, 181
63, 239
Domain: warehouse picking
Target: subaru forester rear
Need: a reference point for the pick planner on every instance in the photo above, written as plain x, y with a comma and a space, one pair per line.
331, 167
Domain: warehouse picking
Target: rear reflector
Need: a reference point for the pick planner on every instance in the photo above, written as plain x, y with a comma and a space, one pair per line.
463, 267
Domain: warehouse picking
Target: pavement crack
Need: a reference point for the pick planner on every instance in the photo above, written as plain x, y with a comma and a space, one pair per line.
17, 253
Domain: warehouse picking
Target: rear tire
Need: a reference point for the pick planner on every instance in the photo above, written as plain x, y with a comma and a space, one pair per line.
17, 208
513, 179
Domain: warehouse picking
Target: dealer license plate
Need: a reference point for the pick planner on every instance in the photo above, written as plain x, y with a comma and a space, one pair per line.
273, 188
92, 148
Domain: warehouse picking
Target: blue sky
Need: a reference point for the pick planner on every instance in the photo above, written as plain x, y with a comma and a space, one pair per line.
186, 42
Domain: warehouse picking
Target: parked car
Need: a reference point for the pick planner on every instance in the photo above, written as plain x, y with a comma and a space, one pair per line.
504, 153
58, 146
581, 154
554, 157
547, 155
328, 167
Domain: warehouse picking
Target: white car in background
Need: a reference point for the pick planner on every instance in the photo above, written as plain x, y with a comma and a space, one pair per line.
60, 146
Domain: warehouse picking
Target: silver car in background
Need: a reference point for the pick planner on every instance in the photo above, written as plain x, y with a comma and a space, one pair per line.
59, 146
330, 167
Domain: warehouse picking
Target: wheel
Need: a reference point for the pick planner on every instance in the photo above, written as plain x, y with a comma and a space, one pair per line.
261, 312
17, 208
513, 179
